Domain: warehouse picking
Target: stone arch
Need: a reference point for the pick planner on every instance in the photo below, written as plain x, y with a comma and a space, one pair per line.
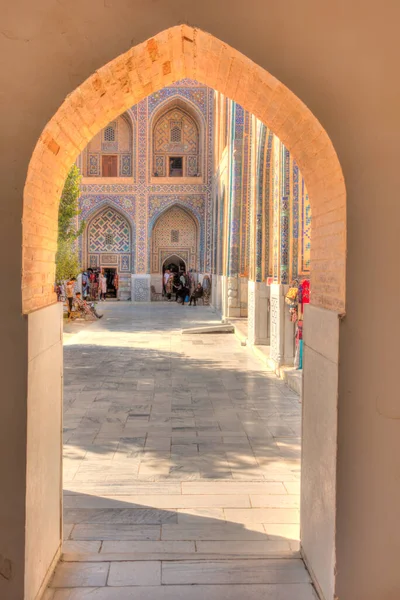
183, 52
192, 111
173, 256
186, 243
125, 259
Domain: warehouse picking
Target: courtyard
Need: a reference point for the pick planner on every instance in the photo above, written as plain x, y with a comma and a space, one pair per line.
181, 464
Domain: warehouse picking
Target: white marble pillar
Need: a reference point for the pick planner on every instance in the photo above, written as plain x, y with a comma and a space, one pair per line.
258, 313
141, 288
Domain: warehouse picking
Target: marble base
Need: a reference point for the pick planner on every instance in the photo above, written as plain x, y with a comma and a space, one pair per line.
258, 313
140, 285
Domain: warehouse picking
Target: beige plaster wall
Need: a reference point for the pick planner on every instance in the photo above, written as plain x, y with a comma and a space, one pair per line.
318, 477
340, 58
13, 369
44, 446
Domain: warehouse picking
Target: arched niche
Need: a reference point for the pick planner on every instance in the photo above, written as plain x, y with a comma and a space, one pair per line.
177, 133
110, 153
175, 231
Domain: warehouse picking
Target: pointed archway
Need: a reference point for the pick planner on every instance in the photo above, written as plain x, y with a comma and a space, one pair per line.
177, 53
174, 54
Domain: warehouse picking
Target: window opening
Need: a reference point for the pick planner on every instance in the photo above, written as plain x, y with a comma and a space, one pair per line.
176, 166
176, 134
109, 133
109, 239
175, 236
109, 166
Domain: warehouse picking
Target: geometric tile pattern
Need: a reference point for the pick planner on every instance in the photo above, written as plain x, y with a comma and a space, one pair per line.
109, 232
285, 218
306, 230
236, 200
141, 289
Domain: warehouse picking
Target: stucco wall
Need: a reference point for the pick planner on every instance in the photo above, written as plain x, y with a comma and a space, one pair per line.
44, 446
339, 59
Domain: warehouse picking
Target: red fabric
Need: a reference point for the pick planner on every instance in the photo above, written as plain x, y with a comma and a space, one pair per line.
299, 332
306, 291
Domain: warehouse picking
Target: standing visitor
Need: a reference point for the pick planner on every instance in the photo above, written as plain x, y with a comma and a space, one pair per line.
116, 284
176, 284
69, 290
85, 284
184, 286
96, 286
103, 286
92, 279
165, 282
168, 287
58, 292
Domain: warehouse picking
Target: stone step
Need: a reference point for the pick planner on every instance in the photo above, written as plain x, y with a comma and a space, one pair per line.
211, 329
281, 591
173, 556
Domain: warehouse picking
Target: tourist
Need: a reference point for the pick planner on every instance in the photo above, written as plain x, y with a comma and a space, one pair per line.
175, 285
92, 282
85, 284
102, 286
59, 292
183, 290
197, 293
116, 284
69, 291
181, 293
165, 280
88, 309
169, 286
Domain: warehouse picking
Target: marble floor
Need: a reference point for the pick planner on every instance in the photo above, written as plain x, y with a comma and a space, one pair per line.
181, 468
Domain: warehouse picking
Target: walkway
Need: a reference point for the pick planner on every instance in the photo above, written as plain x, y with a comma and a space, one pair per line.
181, 465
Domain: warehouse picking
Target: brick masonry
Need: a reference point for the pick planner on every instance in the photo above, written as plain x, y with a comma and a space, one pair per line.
178, 53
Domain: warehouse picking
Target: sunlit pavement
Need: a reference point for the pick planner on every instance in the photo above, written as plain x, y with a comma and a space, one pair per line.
181, 469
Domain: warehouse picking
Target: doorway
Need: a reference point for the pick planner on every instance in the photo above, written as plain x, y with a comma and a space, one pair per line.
110, 273
174, 263
51, 151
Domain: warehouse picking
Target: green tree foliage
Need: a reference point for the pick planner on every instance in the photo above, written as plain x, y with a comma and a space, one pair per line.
67, 261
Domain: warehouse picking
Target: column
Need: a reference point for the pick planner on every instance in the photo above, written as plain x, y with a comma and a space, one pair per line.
235, 204
258, 292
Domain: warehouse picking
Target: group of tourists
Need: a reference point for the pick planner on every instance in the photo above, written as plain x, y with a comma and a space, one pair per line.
95, 284
76, 304
183, 285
